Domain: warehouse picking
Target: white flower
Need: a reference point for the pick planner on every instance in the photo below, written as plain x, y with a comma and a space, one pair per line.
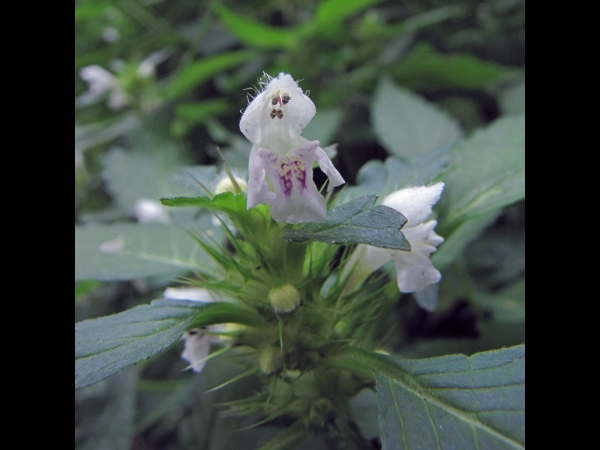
100, 81
193, 294
413, 268
197, 342
197, 348
280, 167
147, 210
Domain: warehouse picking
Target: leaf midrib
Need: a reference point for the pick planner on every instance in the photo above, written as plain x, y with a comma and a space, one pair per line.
409, 382
469, 418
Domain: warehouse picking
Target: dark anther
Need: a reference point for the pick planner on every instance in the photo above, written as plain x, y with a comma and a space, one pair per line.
273, 114
279, 114
274, 101
192, 332
286, 99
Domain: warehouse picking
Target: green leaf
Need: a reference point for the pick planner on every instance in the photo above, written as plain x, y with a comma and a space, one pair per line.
330, 11
376, 177
91, 135
193, 113
428, 19
426, 68
106, 345
201, 71
512, 98
489, 173
254, 33
507, 305
83, 287
186, 177
325, 127
455, 243
197, 112
114, 428
357, 221
453, 401
129, 251
226, 202
407, 125
131, 176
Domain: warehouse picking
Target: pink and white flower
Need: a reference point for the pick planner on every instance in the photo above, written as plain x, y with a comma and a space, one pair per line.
281, 160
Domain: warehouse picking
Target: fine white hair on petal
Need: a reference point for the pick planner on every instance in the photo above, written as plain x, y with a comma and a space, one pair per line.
197, 348
415, 202
194, 294
299, 111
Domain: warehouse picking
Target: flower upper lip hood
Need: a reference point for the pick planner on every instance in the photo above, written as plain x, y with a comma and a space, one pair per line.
280, 166
299, 108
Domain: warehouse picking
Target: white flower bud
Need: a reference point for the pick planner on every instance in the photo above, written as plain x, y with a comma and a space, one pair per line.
284, 299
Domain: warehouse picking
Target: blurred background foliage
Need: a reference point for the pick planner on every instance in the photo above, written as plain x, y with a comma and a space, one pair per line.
159, 84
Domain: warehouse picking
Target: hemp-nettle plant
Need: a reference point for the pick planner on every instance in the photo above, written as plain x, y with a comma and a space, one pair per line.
297, 288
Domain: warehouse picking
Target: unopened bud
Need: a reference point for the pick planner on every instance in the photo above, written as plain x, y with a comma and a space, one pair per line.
284, 299
225, 185
270, 359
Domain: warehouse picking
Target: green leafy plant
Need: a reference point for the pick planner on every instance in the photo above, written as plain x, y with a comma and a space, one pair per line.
280, 279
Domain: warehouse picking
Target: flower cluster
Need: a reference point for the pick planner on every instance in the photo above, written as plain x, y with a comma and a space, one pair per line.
281, 160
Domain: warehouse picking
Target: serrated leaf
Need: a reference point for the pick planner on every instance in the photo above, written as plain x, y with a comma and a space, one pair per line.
200, 71
356, 221
129, 251
407, 125
254, 33
106, 345
453, 401
489, 173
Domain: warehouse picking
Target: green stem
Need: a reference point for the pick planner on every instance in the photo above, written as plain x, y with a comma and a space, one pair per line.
362, 362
